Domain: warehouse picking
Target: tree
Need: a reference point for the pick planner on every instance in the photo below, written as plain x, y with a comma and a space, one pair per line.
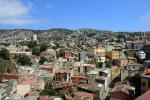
43, 47
108, 64
96, 97
136, 82
32, 44
24, 60
42, 60
35, 51
4, 53
9, 69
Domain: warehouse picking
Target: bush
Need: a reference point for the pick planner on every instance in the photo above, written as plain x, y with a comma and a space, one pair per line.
43, 47
42, 60
4, 53
32, 44
24, 60
35, 51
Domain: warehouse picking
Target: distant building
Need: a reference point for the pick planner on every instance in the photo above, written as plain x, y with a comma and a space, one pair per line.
34, 37
122, 92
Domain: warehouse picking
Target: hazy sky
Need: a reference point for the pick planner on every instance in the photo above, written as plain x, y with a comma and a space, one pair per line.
115, 15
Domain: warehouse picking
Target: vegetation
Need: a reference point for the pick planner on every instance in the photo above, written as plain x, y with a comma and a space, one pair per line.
35, 51
136, 82
43, 47
108, 64
24, 60
4, 53
9, 69
42, 60
51, 92
96, 97
32, 44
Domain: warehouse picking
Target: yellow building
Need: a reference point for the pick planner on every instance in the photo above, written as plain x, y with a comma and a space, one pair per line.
114, 55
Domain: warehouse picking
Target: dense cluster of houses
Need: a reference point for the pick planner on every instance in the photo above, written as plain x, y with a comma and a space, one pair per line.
96, 71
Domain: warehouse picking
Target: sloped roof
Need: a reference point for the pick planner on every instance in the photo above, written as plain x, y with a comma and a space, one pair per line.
145, 96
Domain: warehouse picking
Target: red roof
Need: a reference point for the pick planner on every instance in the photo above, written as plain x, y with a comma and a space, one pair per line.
145, 96
33, 93
10, 76
46, 69
85, 94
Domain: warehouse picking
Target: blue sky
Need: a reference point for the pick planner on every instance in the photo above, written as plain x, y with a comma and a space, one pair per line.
115, 15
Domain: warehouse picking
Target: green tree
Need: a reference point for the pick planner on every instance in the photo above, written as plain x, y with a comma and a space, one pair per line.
9, 69
108, 64
35, 51
24, 60
96, 97
4, 53
32, 44
42, 60
43, 47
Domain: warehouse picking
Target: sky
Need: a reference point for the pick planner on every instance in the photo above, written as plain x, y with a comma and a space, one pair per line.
114, 15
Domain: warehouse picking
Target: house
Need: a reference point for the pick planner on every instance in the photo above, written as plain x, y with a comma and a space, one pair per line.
67, 53
62, 75
83, 96
147, 64
99, 51
145, 81
46, 69
9, 77
145, 96
32, 95
86, 67
27, 85
121, 62
5, 90
133, 66
12, 79
131, 59
122, 92
92, 75
79, 79
49, 98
